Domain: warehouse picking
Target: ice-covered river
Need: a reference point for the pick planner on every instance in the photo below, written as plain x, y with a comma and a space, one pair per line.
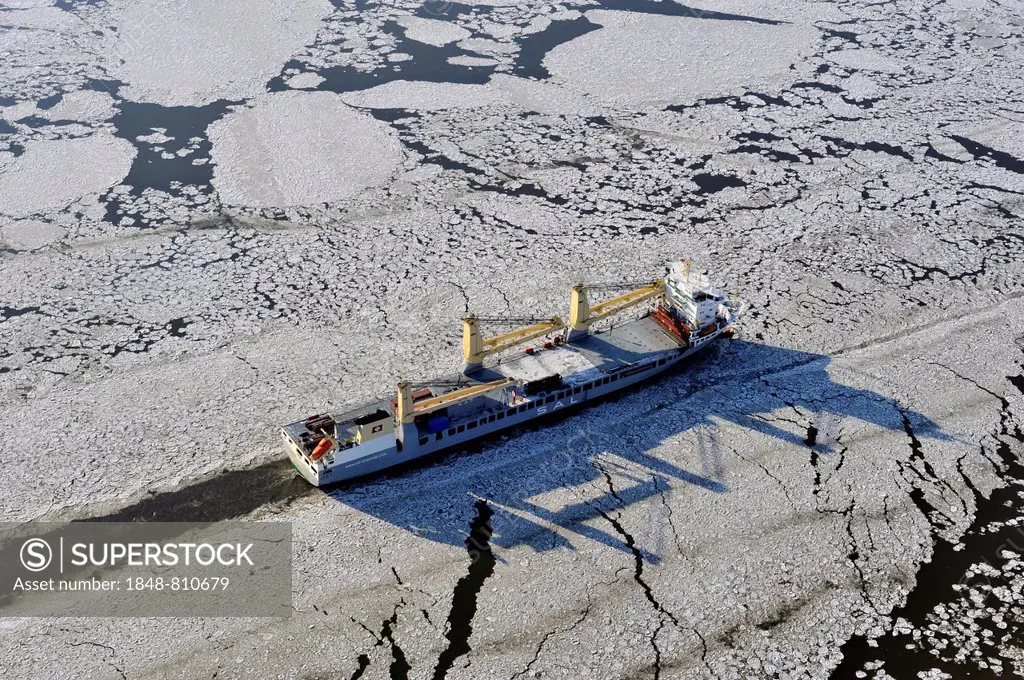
218, 217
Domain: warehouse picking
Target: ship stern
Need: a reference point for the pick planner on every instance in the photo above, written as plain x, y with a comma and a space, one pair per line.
307, 469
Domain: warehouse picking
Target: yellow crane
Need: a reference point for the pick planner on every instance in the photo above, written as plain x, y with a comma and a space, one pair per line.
408, 409
582, 314
475, 347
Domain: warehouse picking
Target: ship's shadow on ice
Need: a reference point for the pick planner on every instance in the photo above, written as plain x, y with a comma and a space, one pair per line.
564, 480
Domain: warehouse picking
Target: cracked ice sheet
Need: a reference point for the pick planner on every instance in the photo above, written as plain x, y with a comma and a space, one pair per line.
836, 243
642, 58
1002, 134
762, 573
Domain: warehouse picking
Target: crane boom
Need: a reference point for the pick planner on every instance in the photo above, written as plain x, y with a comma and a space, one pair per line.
475, 348
617, 285
582, 314
408, 409
512, 320
521, 335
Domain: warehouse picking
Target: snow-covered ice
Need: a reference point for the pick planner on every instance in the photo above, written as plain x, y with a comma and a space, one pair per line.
432, 31
297, 148
218, 217
193, 52
648, 59
51, 174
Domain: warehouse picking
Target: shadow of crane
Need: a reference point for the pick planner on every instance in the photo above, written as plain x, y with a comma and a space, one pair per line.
581, 454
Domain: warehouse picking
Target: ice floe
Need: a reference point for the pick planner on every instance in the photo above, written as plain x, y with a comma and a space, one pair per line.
193, 52
296, 148
53, 173
30, 234
544, 97
644, 58
432, 31
83, 105
866, 59
305, 81
464, 60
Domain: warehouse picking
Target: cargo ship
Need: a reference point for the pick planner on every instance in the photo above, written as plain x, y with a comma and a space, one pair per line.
568, 365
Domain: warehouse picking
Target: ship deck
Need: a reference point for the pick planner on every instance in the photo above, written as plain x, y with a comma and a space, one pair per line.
626, 344
344, 420
593, 355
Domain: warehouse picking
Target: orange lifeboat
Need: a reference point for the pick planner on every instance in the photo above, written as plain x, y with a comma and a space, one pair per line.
322, 447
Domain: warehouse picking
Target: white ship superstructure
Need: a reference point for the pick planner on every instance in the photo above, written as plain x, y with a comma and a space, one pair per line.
574, 364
